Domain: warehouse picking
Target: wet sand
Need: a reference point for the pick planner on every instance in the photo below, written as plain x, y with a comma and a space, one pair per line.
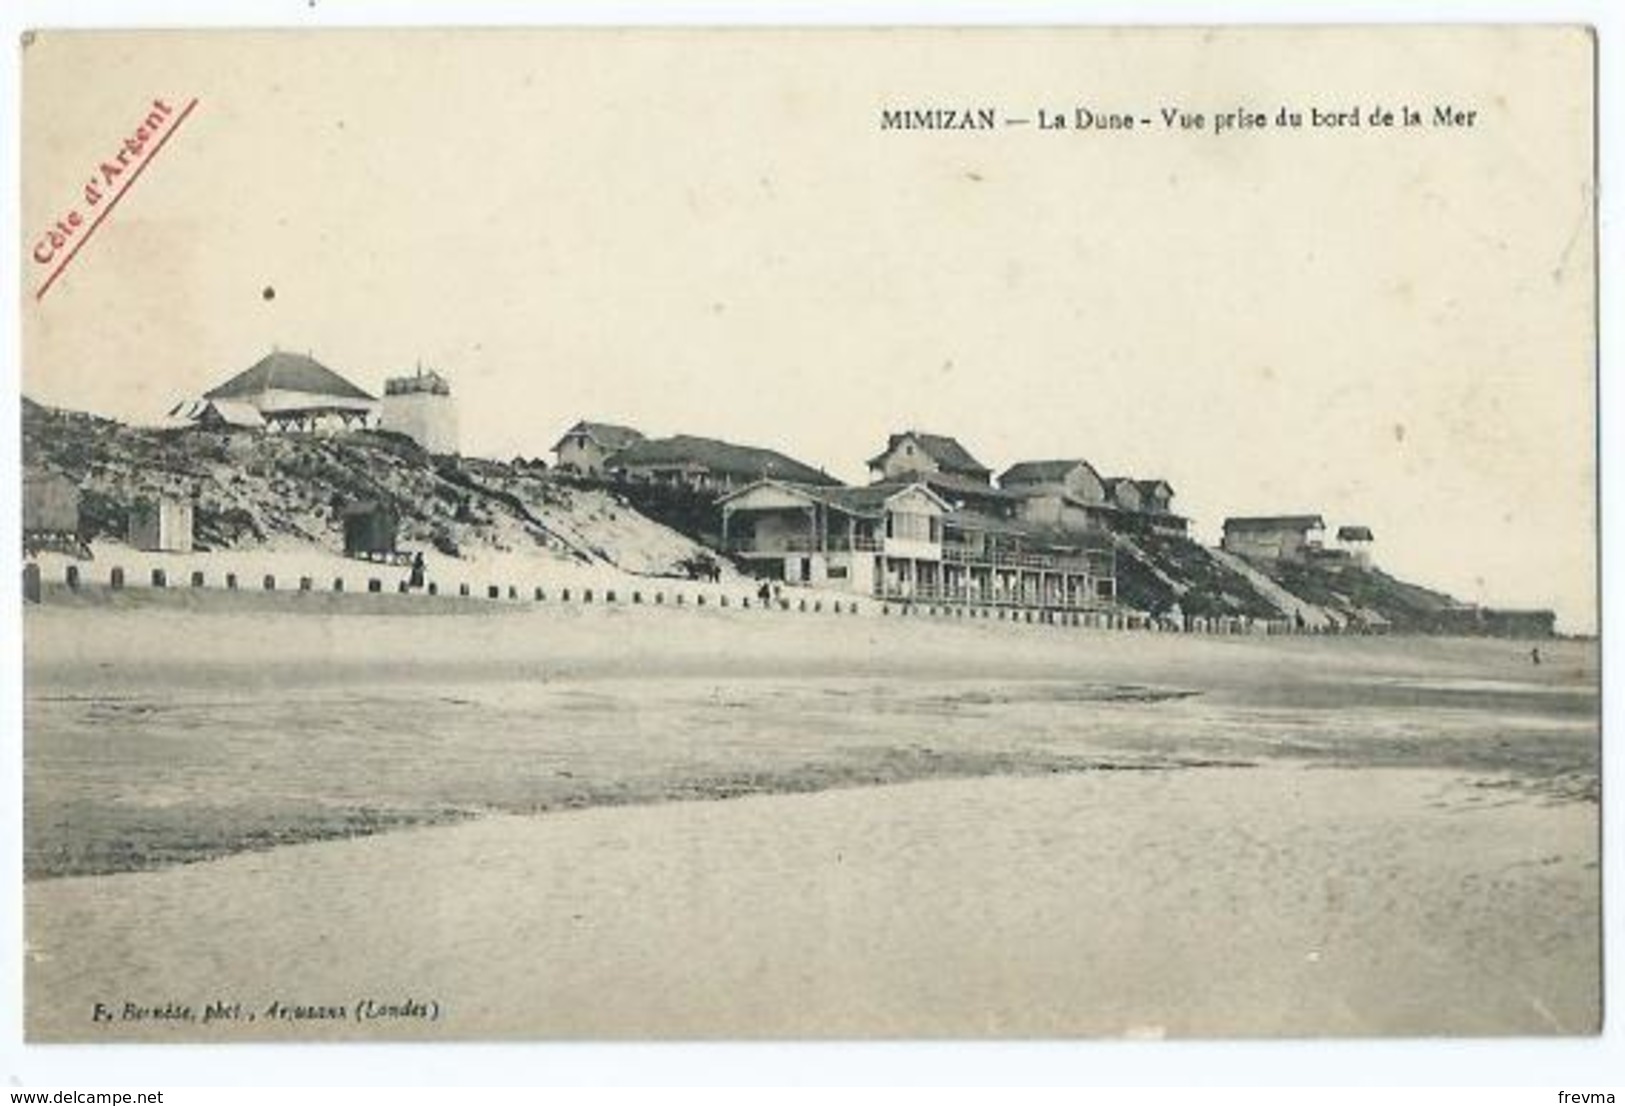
935, 830
1279, 901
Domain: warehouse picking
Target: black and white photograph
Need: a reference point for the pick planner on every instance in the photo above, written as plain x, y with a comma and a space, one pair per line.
809, 534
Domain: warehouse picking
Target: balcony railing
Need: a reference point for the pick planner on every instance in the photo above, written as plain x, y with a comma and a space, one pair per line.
1096, 565
803, 543
1089, 564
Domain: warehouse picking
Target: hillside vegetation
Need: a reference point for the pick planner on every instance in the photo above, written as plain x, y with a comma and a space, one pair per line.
256, 490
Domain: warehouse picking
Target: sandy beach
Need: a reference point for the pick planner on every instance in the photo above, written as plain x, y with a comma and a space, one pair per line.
514, 820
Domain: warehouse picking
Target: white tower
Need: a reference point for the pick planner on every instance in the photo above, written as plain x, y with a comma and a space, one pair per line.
420, 406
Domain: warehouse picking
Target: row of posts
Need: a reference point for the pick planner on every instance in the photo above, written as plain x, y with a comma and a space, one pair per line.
1103, 620
1099, 620
118, 580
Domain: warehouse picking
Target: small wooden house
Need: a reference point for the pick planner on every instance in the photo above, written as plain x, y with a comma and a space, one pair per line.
370, 530
162, 525
1273, 537
50, 506
587, 445
911, 454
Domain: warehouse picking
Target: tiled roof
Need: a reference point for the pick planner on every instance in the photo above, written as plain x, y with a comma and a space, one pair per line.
1042, 472
952, 484
606, 434
1275, 522
718, 457
293, 372
949, 455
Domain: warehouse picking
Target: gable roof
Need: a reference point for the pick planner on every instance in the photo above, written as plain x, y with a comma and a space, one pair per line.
1152, 486
723, 458
1044, 472
606, 434
868, 502
952, 486
293, 372
1275, 522
231, 412
1117, 486
949, 455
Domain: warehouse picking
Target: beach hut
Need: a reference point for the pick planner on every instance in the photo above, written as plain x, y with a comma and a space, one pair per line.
50, 506
161, 525
370, 530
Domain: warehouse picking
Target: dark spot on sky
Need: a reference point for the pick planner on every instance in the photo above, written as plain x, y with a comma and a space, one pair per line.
268, 293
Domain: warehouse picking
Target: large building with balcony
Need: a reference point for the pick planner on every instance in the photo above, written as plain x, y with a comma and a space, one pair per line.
901, 540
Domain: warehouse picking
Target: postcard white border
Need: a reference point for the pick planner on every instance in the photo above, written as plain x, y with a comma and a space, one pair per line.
1513, 1062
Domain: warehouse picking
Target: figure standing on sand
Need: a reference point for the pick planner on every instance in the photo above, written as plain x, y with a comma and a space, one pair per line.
418, 571
1534, 655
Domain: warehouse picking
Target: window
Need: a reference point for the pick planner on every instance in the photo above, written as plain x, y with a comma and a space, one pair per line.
909, 526
836, 572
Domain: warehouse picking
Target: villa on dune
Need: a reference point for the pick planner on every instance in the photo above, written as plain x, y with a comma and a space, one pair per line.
932, 525
902, 540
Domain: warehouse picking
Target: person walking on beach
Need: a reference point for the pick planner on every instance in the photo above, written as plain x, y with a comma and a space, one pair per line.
418, 570
1534, 656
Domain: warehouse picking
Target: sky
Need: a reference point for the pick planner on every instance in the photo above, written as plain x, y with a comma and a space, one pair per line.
710, 233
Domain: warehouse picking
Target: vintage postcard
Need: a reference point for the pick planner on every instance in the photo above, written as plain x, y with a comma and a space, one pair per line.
672, 534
